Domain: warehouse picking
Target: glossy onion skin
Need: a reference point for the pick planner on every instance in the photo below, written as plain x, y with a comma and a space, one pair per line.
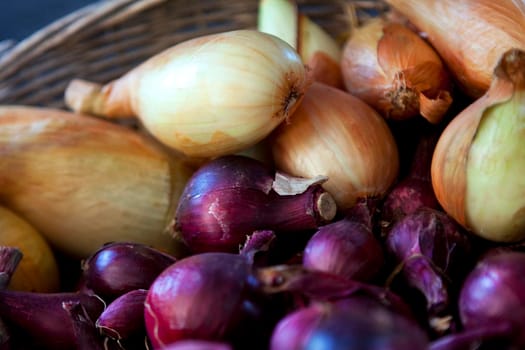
198, 297
121, 267
494, 293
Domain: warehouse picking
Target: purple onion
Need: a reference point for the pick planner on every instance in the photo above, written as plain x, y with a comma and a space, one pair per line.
494, 294
233, 196
346, 247
352, 323
124, 317
432, 250
415, 190
121, 267
42, 317
207, 296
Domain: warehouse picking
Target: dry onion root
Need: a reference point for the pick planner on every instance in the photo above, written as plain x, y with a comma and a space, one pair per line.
209, 96
83, 182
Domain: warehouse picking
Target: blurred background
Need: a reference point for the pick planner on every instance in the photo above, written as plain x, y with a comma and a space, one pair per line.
20, 18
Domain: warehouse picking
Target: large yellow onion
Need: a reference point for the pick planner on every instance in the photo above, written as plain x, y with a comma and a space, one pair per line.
335, 134
83, 182
478, 167
209, 96
470, 35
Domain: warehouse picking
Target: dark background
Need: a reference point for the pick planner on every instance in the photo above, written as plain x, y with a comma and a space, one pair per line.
21, 18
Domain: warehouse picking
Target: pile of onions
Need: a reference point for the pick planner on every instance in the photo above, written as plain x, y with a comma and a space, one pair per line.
335, 134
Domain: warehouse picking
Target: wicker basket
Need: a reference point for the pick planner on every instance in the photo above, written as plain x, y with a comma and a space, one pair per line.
104, 40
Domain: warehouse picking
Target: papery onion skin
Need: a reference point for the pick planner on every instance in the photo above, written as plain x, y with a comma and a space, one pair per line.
478, 165
209, 96
494, 293
469, 35
335, 134
230, 197
83, 182
392, 69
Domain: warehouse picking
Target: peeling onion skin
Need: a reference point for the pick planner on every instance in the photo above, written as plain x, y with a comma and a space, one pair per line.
230, 197
206, 97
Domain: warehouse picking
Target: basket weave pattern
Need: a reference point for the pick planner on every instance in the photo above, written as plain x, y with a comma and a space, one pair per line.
104, 40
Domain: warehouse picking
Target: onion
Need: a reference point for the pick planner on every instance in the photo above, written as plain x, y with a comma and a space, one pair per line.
494, 293
205, 97
469, 35
97, 182
479, 161
121, 267
392, 69
335, 134
42, 317
197, 345
414, 190
433, 251
354, 323
232, 196
347, 247
208, 296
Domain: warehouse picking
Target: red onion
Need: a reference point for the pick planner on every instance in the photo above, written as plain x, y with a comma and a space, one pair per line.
352, 323
433, 250
121, 267
124, 317
346, 247
208, 296
233, 196
494, 293
415, 189
43, 319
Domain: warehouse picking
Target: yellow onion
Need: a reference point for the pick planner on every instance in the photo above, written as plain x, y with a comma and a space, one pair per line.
469, 35
205, 97
316, 47
337, 135
395, 71
83, 182
478, 167
38, 269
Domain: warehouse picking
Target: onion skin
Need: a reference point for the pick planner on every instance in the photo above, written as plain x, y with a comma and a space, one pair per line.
391, 68
206, 97
232, 196
433, 251
335, 134
124, 316
206, 296
38, 270
43, 318
121, 267
478, 164
354, 323
346, 247
469, 35
494, 293
97, 182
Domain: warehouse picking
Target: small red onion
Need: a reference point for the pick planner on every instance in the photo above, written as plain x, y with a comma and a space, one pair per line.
433, 250
232, 196
346, 247
494, 293
352, 323
124, 316
121, 267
